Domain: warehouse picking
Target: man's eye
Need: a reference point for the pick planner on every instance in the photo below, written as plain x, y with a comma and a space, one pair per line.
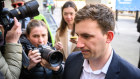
86, 36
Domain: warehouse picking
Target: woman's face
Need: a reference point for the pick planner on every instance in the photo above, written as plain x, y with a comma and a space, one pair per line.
38, 36
69, 15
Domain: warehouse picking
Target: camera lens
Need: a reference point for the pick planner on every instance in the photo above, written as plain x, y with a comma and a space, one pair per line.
29, 9
53, 58
56, 58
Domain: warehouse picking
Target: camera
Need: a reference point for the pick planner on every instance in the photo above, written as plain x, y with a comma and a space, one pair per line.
54, 57
29, 9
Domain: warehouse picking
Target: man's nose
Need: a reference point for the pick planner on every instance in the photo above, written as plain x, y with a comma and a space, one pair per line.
80, 43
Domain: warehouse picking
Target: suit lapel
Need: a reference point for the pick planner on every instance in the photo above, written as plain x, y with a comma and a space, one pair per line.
79, 67
114, 68
74, 67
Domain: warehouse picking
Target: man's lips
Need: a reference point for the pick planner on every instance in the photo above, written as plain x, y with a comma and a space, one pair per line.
85, 51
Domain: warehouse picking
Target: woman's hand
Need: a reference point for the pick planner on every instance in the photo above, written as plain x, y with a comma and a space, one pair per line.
35, 58
74, 39
58, 46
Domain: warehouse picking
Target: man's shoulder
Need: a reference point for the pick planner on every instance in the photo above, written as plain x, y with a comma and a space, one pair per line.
75, 56
129, 70
125, 68
121, 69
125, 65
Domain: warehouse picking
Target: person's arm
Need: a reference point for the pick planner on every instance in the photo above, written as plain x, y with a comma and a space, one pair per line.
11, 60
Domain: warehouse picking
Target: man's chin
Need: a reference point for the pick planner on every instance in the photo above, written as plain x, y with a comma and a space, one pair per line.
85, 56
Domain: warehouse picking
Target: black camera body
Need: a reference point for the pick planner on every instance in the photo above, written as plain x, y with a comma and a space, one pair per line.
29, 9
54, 57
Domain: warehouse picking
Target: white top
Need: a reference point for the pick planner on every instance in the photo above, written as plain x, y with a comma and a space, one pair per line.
98, 74
69, 43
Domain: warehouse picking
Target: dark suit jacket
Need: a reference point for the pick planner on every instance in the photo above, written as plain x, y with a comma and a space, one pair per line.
118, 69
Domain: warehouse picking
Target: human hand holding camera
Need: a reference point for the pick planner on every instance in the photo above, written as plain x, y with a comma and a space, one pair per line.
46, 64
35, 58
13, 35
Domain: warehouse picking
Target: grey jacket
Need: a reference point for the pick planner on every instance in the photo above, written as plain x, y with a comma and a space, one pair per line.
11, 61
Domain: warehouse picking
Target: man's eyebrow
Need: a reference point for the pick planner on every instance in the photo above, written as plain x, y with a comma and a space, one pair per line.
83, 34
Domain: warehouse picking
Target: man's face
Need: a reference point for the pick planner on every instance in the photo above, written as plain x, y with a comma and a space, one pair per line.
91, 40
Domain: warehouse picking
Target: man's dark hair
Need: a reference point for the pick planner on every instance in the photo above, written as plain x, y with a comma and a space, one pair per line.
97, 12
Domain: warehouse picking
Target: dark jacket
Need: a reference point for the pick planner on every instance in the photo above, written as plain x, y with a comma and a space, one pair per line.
38, 72
138, 28
118, 69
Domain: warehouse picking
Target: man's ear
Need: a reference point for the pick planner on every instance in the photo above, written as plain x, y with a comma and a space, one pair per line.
110, 36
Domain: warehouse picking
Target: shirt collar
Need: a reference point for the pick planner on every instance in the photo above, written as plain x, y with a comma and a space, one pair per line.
103, 70
106, 66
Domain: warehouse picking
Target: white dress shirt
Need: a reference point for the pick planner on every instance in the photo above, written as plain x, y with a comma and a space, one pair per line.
88, 73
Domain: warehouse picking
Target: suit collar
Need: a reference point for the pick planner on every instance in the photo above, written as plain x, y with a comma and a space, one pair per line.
114, 68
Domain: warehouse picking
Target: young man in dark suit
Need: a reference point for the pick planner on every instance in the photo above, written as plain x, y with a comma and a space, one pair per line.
94, 25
